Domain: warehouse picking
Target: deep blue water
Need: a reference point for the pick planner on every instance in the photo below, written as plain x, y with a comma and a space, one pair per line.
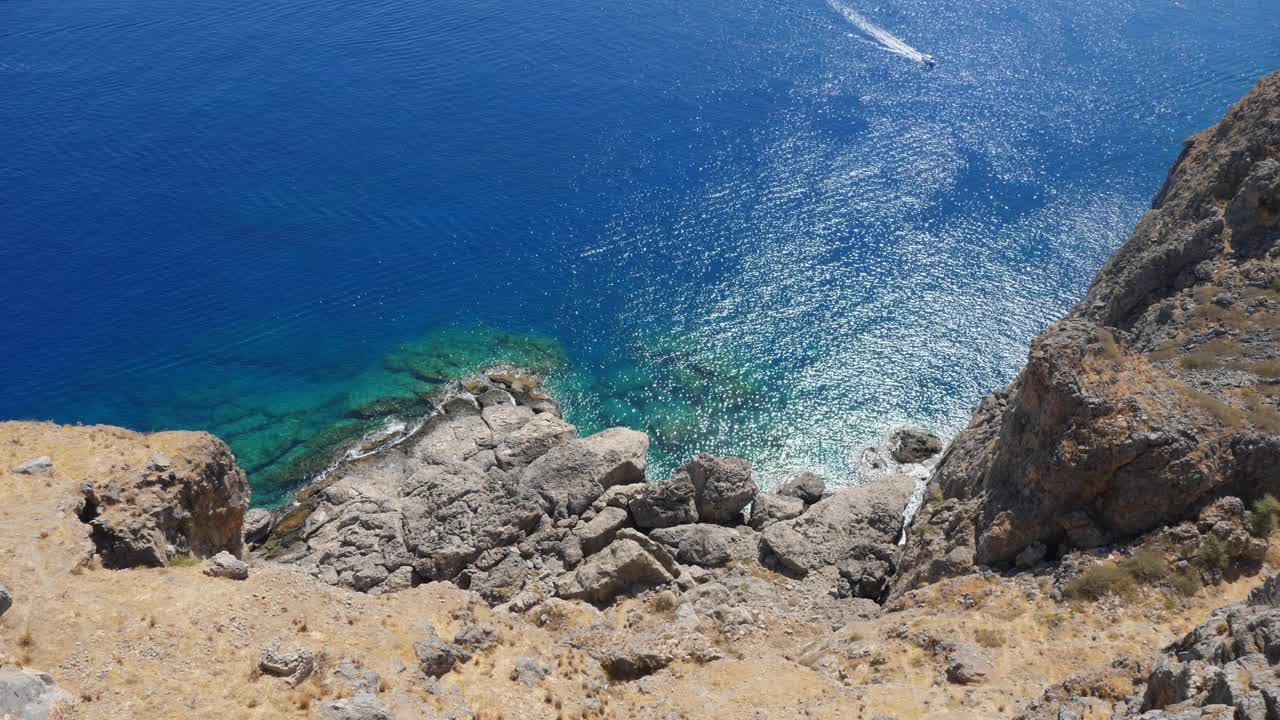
222, 214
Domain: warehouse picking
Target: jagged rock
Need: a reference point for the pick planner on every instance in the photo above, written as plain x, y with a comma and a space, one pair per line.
226, 565
528, 671
652, 547
621, 566
361, 706
532, 440
402, 578
35, 466
864, 578
670, 503
708, 545
28, 695
1226, 667
768, 509
571, 476
1031, 555
913, 445
196, 505
257, 523
295, 665
601, 529
476, 638
723, 487
6, 600
806, 486
1069, 455
501, 582
855, 523
966, 663
619, 496
437, 657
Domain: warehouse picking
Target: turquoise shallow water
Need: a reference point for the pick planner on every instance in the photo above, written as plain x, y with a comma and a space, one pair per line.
755, 227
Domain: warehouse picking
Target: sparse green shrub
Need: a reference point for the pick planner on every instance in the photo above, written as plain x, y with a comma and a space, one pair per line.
1186, 582
183, 560
1213, 554
1146, 565
1263, 520
1099, 581
989, 637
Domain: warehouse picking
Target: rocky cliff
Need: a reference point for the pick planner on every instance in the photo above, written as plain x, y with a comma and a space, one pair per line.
1156, 394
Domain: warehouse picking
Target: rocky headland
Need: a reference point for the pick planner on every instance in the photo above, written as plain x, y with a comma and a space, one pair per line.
1099, 542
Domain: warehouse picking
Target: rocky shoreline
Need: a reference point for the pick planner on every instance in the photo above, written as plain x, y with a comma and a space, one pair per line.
1104, 528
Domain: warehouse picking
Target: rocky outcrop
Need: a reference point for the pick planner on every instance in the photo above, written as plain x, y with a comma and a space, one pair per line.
226, 565
189, 499
1225, 667
1155, 395
505, 501
859, 523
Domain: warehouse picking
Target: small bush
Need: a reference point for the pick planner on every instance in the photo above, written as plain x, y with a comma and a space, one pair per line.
989, 637
1213, 554
1147, 565
1099, 581
183, 560
1186, 582
1263, 520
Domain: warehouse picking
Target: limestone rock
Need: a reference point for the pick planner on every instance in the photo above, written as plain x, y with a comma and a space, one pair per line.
532, 440
529, 671
601, 529
967, 664
723, 487
226, 565
619, 567
361, 706
1070, 456
6, 600
257, 523
295, 665
437, 657
805, 486
667, 504
36, 466
768, 509
196, 505
28, 695
913, 445
571, 476
856, 523
708, 545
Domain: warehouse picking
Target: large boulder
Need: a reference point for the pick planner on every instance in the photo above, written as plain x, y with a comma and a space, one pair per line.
1151, 397
768, 509
571, 476
32, 696
601, 529
913, 444
145, 514
709, 545
622, 566
532, 440
804, 486
723, 487
670, 503
857, 523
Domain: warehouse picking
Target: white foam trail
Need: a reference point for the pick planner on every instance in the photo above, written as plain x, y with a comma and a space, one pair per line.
883, 38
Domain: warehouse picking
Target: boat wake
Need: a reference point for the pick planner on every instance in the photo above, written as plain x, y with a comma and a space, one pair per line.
881, 37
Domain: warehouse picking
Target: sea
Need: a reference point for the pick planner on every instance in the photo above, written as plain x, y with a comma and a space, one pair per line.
771, 228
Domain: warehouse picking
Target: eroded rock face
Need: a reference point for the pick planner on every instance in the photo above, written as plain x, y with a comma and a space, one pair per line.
194, 503
857, 523
1150, 398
